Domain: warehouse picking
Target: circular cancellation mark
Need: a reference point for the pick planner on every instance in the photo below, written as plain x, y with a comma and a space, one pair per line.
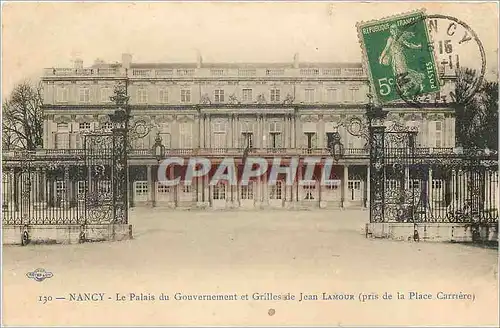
446, 47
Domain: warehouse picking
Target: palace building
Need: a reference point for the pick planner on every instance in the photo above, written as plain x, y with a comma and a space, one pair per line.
217, 110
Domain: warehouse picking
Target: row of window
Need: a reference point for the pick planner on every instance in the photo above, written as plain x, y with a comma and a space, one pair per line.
247, 95
275, 140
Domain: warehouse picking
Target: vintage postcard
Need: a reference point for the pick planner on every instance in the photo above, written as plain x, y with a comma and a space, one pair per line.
250, 164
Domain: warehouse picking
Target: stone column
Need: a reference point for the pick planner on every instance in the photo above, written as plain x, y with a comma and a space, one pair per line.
429, 188
345, 186
407, 178
321, 132
131, 178
67, 188
151, 187
367, 186
230, 134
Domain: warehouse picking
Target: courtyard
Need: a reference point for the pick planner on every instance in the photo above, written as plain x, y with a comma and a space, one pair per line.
270, 253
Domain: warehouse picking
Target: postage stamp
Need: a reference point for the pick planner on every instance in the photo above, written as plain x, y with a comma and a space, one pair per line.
399, 57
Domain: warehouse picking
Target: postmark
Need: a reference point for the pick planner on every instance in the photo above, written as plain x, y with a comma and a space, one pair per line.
456, 46
398, 49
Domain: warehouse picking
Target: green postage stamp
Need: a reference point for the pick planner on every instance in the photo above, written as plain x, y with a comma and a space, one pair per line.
399, 57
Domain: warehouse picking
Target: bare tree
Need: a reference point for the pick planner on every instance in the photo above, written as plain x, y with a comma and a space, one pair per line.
22, 118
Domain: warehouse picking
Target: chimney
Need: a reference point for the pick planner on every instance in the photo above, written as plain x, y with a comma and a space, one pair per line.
126, 60
78, 63
296, 60
199, 59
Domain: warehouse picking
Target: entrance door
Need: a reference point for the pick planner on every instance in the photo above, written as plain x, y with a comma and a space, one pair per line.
277, 194
165, 195
141, 192
247, 194
309, 193
332, 192
355, 192
219, 194
186, 193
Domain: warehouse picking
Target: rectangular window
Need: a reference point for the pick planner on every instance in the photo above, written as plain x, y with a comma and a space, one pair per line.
309, 191
142, 96
438, 134
332, 185
275, 140
107, 126
275, 95
309, 95
186, 189
185, 96
247, 191
105, 95
219, 96
219, 140
186, 135
141, 188
275, 191
62, 127
219, 191
247, 95
356, 185
61, 140
332, 95
84, 126
81, 189
310, 140
60, 190
84, 95
165, 140
162, 96
353, 94
247, 139
62, 94
162, 189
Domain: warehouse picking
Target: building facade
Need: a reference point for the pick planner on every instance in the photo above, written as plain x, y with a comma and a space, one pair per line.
216, 110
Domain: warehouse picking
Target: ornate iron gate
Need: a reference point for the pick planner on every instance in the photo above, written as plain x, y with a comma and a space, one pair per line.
410, 184
106, 184
59, 187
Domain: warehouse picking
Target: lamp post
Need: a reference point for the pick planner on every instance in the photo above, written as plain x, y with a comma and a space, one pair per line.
336, 147
158, 148
375, 116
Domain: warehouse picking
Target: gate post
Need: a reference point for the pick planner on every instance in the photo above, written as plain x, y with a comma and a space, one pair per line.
377, 173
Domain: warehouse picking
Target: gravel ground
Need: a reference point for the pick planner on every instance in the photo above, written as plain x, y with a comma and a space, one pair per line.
247, 252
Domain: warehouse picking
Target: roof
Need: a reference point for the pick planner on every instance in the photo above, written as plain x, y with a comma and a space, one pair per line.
245, 65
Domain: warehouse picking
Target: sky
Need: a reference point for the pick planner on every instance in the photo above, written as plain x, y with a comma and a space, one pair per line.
40, 35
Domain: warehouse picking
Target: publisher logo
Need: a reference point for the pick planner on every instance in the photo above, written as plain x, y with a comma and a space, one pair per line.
39, 275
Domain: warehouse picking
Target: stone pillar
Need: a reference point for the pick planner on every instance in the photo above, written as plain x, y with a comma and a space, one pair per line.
208, 139
230, 136
151, 187
175, 188
345, 186
131, 178
293, 134
367, 204
407, 178
67, 187
451, 186
429, 188
321, 137
265, 188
